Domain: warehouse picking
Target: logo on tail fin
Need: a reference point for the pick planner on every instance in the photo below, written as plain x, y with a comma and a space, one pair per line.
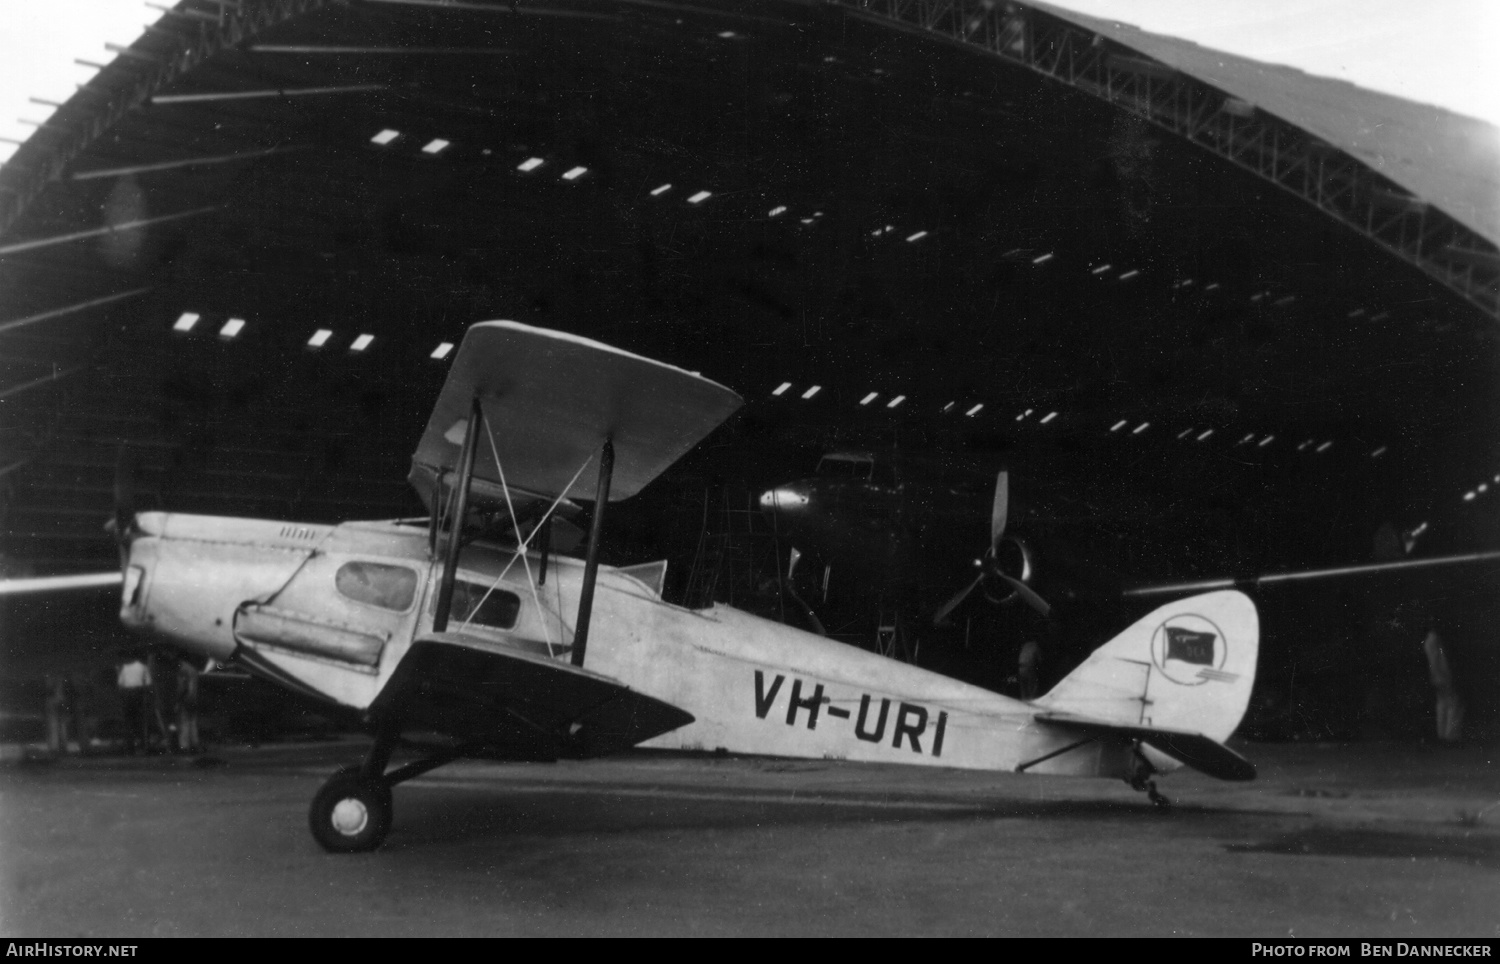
1190, 650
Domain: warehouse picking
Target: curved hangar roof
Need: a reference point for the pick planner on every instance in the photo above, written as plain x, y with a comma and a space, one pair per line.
248, 245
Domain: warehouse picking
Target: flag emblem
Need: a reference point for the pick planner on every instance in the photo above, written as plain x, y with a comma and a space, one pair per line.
1190, 650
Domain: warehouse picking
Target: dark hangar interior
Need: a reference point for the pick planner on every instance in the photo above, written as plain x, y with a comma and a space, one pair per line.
246, 248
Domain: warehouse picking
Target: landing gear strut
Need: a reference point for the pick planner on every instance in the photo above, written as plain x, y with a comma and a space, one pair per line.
351, 812
1141, 772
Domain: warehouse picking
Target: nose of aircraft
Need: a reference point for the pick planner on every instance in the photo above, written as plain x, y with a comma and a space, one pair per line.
783, 498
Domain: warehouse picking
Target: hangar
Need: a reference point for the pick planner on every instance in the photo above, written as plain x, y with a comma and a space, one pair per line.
1187, 296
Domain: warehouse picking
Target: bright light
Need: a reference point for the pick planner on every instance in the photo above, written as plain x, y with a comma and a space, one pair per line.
869, 398
1042, 259
1484, 487
1184, 433
659, 191
231, 327
1212, 287
1381, 451
185, 321
1101, 269
361, 343
727, 35
778, 211
895, 401
1304, 445
434, 146
319, 338
1129, 274
530, 164
1356, 312
1048, 417
975, 410
808, 220
574, 173
700, 197
1247, 438
1206, 435
385, 137
1021, 417
1141, 428
1469, 496
812, 391
1118, 425
1323, 448
441, 351
917, 237
1265, 441
949, 406
781, 389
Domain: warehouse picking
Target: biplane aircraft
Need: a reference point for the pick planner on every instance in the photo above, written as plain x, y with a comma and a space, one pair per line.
470, 624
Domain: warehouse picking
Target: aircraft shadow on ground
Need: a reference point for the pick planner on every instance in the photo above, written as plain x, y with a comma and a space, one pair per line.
1316, 841
424, 818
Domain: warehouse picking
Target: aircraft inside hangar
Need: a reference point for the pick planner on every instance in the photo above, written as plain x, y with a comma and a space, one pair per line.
1206, 329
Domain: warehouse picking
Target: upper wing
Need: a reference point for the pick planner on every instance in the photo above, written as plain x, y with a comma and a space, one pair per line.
520, 705
551, 400
1193, 749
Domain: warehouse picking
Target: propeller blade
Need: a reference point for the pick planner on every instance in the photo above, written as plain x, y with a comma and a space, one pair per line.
1001, 508
957, 600
794, 557
87, 580
1027, 593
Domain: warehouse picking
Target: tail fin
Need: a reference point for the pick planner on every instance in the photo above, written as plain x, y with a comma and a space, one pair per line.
1189, 665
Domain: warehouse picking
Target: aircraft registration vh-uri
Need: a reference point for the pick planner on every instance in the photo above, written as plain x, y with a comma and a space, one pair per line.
470, 625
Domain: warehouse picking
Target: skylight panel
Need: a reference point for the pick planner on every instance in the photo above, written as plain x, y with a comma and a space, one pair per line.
1323, 448
319, 338
574, 173
659, 191
916, 237
869, 398
781, 389
185, 321
1207, 434
435, 146
1118, 425
975, 410
1043, 258
777, 211
1212, 287
1470, 496
1101, 269
385, 137
1265, 441
231, 328
1140, 428
949, 406
1249, 437
1048, 417
895, 401
812, 391
1378, 452
700, 197
727, 35
1184, 433
530, 164
1130, 274
441, 351
361, 343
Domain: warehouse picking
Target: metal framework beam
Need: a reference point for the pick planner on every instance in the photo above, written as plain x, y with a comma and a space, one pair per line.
1276, 151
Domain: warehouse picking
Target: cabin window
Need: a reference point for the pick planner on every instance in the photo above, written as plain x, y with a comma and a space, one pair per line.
835, 467
389, 587
473, 603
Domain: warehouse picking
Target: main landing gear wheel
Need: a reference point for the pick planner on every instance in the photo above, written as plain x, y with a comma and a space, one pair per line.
351, 813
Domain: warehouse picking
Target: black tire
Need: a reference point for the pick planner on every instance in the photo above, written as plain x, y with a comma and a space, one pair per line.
350, 813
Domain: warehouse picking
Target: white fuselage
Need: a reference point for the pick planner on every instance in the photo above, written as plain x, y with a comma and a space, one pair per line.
294, 602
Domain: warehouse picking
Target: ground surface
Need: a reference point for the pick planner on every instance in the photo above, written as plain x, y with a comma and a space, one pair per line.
1351, 840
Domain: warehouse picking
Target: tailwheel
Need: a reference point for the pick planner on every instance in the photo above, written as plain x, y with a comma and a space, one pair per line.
1141, 772
351, 813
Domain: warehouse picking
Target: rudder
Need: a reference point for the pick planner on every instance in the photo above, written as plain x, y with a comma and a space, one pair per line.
1188, 665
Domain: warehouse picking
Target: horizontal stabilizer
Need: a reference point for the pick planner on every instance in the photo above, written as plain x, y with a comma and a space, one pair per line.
521, 705
551, 400
1192, 749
